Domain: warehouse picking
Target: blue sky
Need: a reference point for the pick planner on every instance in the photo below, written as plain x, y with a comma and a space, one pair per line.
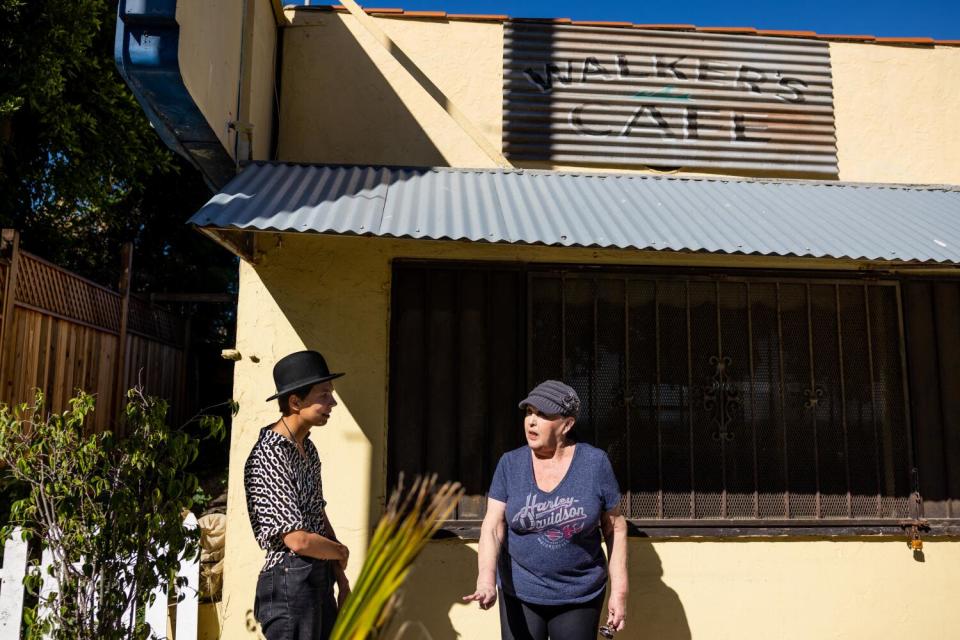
930, 18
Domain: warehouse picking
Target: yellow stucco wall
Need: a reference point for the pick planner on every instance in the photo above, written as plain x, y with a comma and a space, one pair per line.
897, 112
332, 294
714, 590
263, 63
211, 64
345, 100
210, 60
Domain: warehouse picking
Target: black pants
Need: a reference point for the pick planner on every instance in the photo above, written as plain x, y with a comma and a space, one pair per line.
295, 600
521, 620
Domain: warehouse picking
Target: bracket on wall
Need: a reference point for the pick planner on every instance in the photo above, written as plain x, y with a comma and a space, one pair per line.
239, 243
244, 132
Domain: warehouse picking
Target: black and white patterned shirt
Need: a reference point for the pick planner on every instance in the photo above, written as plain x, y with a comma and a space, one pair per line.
284, 492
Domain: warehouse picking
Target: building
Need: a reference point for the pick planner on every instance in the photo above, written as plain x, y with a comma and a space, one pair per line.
741, 248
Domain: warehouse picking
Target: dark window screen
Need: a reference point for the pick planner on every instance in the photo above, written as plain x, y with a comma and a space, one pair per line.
732, 398
457, 370
931, 312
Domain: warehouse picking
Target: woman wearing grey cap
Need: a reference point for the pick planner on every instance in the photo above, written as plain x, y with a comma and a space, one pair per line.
548, 504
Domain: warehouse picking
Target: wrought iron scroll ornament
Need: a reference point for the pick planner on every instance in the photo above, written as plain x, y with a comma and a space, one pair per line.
722, 398
813, 397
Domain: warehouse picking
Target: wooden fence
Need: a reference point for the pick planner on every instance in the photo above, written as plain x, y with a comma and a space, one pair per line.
60, 332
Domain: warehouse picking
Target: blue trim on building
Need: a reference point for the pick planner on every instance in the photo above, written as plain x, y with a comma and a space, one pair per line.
146, 54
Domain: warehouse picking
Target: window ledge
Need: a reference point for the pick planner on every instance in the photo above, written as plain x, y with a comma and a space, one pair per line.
889, 529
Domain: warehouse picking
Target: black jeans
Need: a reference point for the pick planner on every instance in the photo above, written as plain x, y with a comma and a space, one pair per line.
521, 620
295, 600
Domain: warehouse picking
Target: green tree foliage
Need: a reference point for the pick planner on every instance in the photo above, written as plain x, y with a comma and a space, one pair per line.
108, 508
74, 142
81, 169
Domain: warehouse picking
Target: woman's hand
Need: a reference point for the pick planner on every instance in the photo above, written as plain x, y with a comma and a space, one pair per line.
485, 596
615, 532
617, 611
491, 533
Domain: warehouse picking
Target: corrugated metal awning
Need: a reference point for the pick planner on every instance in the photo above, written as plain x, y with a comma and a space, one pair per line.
763, 217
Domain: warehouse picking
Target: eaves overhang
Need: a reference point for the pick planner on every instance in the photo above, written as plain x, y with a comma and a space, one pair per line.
890, 224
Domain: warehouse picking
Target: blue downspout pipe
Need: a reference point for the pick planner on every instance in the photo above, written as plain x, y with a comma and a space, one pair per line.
146, 53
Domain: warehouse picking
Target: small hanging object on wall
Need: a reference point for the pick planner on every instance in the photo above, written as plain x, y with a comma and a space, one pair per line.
919, 522
916, 543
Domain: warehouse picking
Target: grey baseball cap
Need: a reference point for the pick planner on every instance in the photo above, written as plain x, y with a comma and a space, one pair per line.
553, 398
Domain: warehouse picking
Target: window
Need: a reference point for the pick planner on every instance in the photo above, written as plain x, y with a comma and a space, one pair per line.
734, 398
457, 371
719, 399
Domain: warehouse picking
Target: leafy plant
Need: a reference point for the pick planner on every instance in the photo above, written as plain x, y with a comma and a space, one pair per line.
108, 509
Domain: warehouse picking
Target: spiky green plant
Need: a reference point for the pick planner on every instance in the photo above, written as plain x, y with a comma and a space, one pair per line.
410, 521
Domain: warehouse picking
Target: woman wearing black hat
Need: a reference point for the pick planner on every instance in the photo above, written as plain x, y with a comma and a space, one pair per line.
540, 539
294, 599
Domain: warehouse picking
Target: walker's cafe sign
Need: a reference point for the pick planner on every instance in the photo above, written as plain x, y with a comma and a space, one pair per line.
620, 96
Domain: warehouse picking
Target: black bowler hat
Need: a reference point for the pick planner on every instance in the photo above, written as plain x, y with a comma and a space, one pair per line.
299, 370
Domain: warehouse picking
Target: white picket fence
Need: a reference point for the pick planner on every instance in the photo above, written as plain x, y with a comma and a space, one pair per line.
15, 567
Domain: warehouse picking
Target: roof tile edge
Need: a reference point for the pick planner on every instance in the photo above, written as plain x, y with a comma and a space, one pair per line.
395, 12
586, 173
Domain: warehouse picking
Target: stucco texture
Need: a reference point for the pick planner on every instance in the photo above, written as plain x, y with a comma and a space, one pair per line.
895, 106
726, 590
333, 293
346, 100
257, 108
897, 112
209, 54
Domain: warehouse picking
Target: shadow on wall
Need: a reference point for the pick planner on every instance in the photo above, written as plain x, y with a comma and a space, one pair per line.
367, 123
654, 609
444, 573
334, 307
448, 570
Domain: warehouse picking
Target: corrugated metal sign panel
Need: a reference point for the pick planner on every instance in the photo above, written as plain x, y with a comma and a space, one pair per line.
594, 95
768, 217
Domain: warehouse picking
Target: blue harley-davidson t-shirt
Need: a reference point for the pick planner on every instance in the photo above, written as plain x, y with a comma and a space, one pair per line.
552, 552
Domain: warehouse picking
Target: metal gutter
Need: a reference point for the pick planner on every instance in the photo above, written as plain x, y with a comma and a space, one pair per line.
146, 54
